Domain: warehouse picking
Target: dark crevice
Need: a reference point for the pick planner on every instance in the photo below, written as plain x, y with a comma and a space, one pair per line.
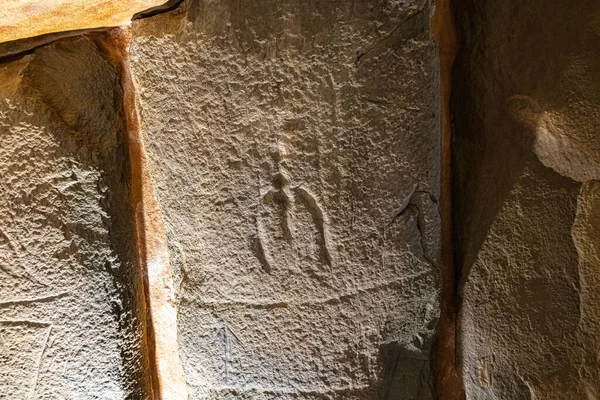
151, 12
448, 383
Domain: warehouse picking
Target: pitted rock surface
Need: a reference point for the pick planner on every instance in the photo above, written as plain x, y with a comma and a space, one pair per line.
294, 150
67, 251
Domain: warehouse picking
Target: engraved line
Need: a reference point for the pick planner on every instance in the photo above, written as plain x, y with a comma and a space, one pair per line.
49, 297
316, 301
40, 360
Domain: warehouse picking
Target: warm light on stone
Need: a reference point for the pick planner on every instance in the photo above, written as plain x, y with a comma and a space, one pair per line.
21, 19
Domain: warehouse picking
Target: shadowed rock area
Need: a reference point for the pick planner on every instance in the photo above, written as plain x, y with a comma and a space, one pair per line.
69, 302
294, 149
527, 160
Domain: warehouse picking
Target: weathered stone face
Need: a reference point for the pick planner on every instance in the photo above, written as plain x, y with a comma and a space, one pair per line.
68, 293
527, 105
245, 203
294, 150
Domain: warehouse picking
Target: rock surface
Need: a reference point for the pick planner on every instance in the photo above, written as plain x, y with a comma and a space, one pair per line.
527, 155
294, 149
68, 290
285, 172
21, 19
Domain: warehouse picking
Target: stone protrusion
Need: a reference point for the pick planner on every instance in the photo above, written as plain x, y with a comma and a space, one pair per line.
527, 152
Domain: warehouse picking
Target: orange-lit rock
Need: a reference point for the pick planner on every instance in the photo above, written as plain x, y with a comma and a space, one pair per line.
27, 18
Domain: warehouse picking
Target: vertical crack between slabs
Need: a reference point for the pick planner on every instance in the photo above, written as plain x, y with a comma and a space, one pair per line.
167, 378
447, 380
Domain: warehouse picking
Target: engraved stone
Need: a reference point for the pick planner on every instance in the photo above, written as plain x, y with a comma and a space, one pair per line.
69, 287
294, 149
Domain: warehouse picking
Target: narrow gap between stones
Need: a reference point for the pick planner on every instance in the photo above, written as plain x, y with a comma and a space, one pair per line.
447, 381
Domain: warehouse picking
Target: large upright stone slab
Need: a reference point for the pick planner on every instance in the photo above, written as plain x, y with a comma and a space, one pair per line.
527, 156
294, 149
69, 284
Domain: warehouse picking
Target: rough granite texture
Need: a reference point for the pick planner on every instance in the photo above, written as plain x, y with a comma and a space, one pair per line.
294, 148
67, 251
527, 198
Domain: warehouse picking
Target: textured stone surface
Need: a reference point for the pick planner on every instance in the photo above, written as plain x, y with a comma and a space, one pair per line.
27, 18
294, 149
68, 269
527, 106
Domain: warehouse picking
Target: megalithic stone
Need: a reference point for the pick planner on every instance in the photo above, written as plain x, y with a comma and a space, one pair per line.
294, 148
71, 303
527, 156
